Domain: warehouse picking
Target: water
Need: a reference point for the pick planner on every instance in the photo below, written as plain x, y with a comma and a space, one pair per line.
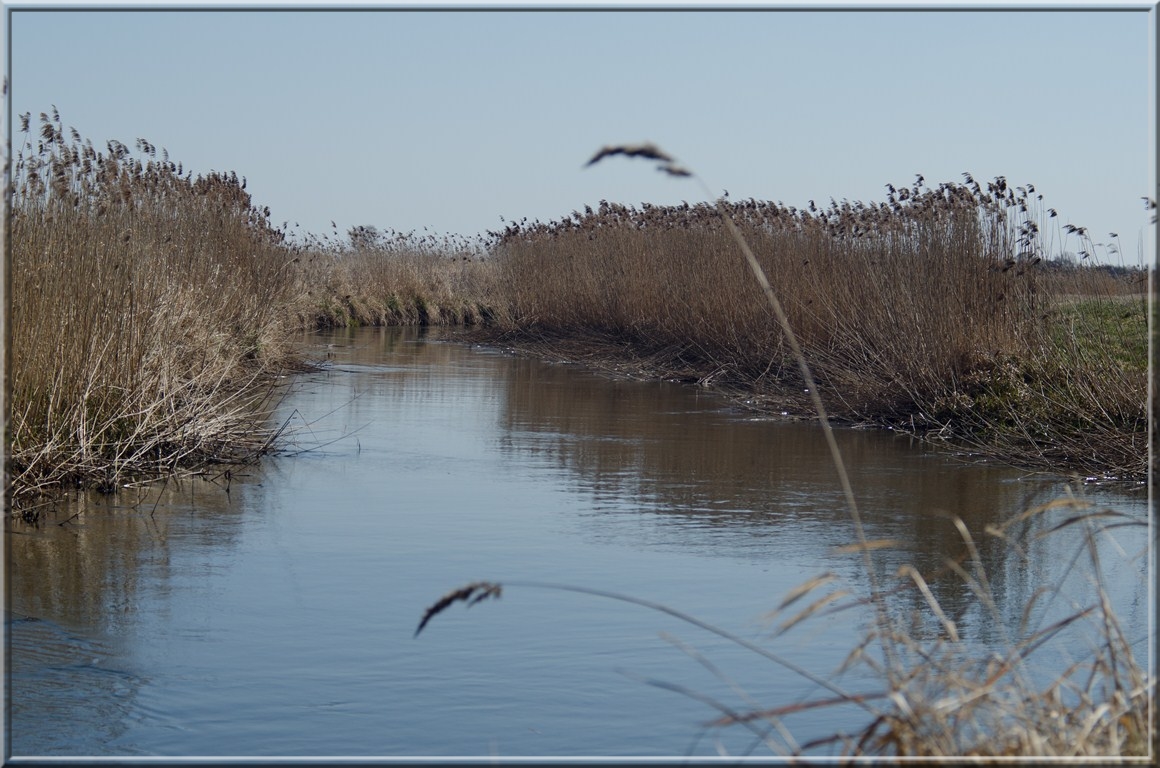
272, 613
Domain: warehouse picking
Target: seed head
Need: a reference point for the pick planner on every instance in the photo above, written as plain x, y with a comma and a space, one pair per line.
647, 150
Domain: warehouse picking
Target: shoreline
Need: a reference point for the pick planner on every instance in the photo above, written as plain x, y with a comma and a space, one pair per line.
623, 359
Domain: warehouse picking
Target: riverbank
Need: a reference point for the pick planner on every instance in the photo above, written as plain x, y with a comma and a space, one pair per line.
152, 312
459, 463
928, 315
1038, 415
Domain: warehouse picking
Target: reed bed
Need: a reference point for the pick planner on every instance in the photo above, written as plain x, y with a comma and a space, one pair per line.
391, 278
145, 315
941, 311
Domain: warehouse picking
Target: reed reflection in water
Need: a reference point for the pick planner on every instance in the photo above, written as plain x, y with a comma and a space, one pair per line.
727, 483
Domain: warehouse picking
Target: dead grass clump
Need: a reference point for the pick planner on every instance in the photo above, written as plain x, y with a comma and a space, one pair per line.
149, 306
145, 306
956, 700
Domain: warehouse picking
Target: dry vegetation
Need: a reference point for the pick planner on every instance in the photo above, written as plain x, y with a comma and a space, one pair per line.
144, 311
150, 306
936, 311
392, 278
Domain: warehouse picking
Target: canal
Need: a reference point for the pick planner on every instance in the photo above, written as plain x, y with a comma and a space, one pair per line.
273, 612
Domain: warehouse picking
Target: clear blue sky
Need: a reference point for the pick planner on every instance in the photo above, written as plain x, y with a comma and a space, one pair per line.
452, 119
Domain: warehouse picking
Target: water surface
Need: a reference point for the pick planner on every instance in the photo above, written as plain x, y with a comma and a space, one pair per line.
272, 613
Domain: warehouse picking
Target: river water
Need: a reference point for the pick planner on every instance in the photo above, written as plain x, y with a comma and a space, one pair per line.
273, 613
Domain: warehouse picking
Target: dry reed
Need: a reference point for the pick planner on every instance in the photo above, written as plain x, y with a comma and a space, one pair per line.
144, 315
940, 312
391, 278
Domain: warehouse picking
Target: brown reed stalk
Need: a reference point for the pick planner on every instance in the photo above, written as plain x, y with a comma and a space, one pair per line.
807, 376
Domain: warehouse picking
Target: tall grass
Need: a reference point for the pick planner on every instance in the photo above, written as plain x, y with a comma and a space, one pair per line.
145, 312
391, 278
938, 311
143, 295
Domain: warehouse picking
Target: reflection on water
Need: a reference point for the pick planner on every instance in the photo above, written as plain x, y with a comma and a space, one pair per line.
274, 615
92, 567
724, 484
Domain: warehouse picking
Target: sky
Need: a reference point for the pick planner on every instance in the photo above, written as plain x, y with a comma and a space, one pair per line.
457, 120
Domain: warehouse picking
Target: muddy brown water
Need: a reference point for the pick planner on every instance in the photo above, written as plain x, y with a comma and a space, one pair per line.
273, 615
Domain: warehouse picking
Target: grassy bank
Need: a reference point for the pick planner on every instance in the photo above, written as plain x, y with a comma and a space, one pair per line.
935, 312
